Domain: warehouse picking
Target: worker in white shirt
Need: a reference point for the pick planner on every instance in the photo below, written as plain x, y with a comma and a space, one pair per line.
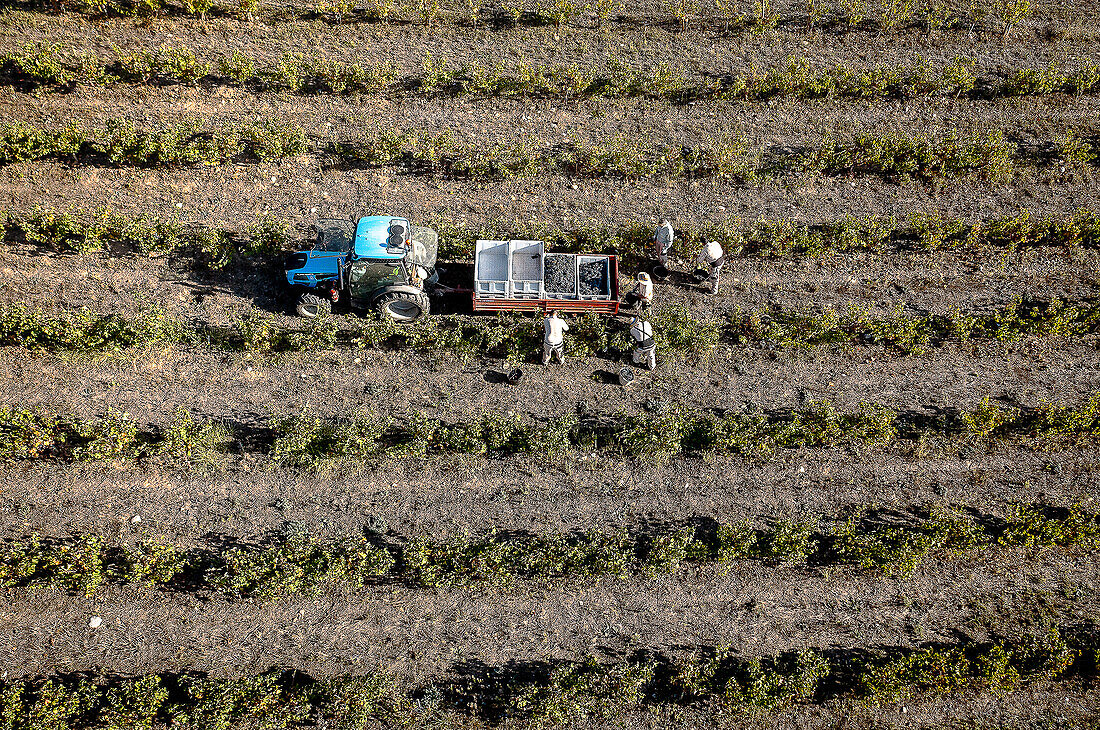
711, 259
645, 349
553, 338
662, 240
641, 296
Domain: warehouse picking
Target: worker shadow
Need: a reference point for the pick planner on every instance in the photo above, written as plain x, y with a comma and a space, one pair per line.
605, 377
678, 279
508, 376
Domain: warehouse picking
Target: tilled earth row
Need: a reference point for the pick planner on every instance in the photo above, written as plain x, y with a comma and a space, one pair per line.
249, 499
151, 384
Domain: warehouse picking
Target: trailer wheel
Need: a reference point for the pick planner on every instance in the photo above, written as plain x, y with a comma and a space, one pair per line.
400, 306
312, 306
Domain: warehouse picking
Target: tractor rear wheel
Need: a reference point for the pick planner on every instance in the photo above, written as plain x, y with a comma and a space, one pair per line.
312, 306
401, 306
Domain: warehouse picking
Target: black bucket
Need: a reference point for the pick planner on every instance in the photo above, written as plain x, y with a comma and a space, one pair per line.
626, 375
514, 375
660, 272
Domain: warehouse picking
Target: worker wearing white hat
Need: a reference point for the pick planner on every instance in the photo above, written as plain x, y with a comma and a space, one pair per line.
712, 259
553, 338
645, 349
641, 296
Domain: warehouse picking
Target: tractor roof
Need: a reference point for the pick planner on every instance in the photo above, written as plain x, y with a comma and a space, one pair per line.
370, 237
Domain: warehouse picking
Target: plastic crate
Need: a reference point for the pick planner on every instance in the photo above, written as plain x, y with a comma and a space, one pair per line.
604, 284
491, 268
525, 276
552, 293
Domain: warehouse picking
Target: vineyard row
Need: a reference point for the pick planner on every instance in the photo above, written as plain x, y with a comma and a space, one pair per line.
97, 230
44, 67
665, 432
300, 564
716, 16
516, 338
893, 156
550, 693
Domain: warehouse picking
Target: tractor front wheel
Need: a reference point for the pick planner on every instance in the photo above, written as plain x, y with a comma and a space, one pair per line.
400, 306
312, 306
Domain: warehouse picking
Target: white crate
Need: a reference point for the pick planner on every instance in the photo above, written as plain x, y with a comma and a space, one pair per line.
491, 268
525, 277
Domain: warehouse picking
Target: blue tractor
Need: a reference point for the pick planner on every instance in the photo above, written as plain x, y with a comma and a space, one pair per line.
381, 263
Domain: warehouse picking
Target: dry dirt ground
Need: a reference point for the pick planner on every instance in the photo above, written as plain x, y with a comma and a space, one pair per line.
424, 635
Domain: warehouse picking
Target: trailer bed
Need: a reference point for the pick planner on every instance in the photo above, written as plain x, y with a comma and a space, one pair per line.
523, 276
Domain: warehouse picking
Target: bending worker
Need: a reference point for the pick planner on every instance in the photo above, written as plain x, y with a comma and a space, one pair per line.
645, 349
711, 258
553, 338
662, 240
641, 296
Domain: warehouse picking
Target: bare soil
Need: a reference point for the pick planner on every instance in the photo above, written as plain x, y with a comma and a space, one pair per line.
425, 636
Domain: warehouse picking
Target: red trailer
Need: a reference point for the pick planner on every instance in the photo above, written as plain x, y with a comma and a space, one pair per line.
523, 276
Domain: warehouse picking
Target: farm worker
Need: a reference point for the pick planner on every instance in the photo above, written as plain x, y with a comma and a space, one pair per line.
662, 240
641, 296
711, 258
553, 338
645, 349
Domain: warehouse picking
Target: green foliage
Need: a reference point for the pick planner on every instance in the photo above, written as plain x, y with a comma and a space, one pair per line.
133, 704
272, 139
20, 142
161, 65
259, 333
154, 562
40, 63
188, 441
893, 156
951, 670
77, 566
656, 437
539, 693
789, 541
88, 231
298, 564
222, 704
352, 702
902, 157
115, 436
987, 418
46, 65
83, 331
931, 670
268, 236
307, 440
198, 7
583, 690
776, 686
26, 434
677, 330
238, 67
1032, 526
897, 549
301, 564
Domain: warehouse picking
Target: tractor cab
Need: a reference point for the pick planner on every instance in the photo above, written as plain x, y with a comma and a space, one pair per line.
380, 262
